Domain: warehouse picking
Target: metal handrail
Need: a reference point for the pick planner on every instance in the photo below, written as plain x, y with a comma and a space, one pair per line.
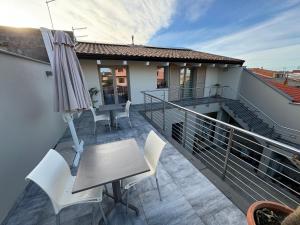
262, 112
287, 131
291, 148
217, 144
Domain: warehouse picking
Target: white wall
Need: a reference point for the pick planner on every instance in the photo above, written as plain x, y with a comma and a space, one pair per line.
270, 101
230, 76
212, 78
89, 68
142, 78
28, 125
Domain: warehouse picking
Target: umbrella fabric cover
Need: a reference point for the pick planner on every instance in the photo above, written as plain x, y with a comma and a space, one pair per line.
71, 92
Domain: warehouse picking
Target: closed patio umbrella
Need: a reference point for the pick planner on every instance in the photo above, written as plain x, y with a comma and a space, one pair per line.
71, 94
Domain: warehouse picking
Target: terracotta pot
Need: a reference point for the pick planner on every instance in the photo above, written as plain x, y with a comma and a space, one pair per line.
266, 204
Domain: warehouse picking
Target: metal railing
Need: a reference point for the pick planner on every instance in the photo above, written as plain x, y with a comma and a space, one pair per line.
175, 94
256, 166
283, 130
184, 93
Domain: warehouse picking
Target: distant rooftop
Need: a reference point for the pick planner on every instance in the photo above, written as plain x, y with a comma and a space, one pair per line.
264, 72
24, 41
292, 91
142, 52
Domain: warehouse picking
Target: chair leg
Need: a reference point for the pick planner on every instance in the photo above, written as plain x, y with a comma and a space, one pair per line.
57, 219
109, 125
103, 214
158, 189
127, 195
95, 128
129, 122
94, 215
116, 122
105, 187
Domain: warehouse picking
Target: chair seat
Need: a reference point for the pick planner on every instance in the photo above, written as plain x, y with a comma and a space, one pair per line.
68, 199
131, 181
102, 117
121, 114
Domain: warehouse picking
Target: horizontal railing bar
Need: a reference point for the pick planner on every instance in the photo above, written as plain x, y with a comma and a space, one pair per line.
265, 181
272, 178
255, 199
250, 149
261, 145
229, 166
232, 126
269, 167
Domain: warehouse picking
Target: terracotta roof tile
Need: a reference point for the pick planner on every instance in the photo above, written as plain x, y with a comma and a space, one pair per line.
263, 72
141, 52
294, 92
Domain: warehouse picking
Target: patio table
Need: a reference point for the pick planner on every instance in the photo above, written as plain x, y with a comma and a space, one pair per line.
111, 108
110, 163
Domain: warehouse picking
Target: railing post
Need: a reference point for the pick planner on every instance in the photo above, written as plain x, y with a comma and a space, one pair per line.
145, 109
151, 116
228, 152
164, 115
184, 128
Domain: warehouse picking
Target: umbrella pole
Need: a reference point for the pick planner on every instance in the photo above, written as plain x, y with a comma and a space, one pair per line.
78, 146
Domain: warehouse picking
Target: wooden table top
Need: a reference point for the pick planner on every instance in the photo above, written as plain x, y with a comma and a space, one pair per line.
105, 163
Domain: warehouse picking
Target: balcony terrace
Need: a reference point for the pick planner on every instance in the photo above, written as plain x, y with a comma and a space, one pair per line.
188, 196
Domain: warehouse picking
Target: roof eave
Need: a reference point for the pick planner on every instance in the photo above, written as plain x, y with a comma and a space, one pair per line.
156, 59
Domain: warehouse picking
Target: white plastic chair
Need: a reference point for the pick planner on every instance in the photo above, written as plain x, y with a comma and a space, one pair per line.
102, 117
53, 175
152, 150
124, 114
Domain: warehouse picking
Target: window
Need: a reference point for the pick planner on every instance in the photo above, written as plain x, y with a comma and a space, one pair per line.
121, 80
162, 77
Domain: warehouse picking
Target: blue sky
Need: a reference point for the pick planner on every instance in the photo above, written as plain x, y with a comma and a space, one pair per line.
262, 32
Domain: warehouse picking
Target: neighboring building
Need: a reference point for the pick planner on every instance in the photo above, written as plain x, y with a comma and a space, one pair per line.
267, 73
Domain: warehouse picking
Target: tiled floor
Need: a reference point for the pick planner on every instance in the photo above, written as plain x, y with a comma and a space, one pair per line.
188, 196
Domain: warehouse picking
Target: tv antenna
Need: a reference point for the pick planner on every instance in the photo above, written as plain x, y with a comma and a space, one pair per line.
47, 2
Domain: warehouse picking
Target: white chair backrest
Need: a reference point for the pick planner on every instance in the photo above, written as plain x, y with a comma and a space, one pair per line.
127, 106
153, 148
51, 174
93, 111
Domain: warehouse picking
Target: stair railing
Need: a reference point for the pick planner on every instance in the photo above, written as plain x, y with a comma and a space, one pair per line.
283, 130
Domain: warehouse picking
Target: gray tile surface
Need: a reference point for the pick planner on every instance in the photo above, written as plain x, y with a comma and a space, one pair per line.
189, 198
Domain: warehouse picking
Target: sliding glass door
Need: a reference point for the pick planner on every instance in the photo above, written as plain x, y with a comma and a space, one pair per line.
186, 82
114, 84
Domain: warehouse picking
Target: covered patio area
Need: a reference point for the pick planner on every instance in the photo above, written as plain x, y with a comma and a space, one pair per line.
188, 197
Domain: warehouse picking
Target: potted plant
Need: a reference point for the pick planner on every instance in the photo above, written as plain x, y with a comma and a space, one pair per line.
272, 213
93, 92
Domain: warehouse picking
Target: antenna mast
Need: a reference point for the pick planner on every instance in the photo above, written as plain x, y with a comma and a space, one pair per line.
47, 2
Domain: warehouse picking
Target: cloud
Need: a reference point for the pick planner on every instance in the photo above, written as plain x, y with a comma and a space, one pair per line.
279, 31
106, 21
283, 58
192, 10
269, 37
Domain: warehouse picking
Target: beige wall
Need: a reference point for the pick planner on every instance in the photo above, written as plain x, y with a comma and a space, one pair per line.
28, 125
143, 78
89, 68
